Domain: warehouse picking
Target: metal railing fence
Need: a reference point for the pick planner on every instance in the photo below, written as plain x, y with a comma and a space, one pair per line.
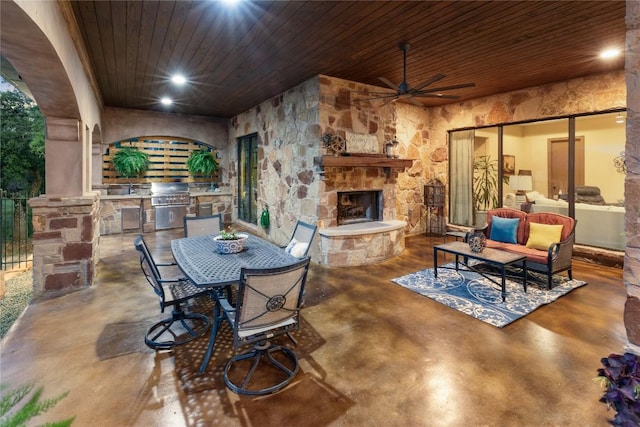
16, 232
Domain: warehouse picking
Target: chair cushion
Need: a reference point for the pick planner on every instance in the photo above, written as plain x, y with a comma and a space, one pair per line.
543, 235
504, 229
296, 248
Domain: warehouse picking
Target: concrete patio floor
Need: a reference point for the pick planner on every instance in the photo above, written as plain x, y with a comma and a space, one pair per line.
372, 354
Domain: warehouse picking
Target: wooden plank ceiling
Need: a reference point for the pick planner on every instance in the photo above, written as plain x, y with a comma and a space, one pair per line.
236, 57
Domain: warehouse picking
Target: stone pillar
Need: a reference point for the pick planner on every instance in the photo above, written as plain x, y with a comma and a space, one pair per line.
64, 159
631, 276
65, 243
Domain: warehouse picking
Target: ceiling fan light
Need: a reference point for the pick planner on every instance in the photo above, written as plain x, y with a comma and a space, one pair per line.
166, 101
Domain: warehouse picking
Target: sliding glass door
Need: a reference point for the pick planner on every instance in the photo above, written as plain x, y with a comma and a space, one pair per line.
574, 166
248, 178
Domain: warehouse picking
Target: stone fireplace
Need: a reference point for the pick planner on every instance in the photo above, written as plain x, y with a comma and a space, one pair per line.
357, 221
359, 206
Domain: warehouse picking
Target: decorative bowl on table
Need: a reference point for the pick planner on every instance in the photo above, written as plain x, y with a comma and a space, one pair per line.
477, 240
225, 245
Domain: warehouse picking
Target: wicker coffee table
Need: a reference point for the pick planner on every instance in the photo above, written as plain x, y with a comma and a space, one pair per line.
496, 257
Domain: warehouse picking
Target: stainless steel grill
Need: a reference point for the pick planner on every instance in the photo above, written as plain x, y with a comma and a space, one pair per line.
169, 194
170, 201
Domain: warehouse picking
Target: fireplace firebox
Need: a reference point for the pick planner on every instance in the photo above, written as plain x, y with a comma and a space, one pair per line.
359, 206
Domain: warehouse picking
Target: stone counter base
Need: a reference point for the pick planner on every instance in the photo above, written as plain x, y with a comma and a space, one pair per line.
361, 244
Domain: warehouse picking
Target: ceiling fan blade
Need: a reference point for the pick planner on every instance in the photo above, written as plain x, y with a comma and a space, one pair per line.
440, 89
415, 102
432, 80
388, 83
391, 95
429, 95
389, 101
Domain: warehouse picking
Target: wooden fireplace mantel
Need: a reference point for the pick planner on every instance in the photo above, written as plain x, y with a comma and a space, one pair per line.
362, 162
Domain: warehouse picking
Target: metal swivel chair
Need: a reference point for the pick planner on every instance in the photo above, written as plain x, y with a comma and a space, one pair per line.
180, 327
301, 239
268, 305
200, 225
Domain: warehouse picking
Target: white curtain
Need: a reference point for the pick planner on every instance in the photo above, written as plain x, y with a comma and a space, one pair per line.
461, 177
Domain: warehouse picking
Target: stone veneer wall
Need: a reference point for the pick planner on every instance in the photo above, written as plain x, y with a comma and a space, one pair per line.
290, 125
288, 140
65, 237
584, 95
422, 133
346, 114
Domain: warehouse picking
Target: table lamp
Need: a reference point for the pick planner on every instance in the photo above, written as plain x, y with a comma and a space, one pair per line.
521, 184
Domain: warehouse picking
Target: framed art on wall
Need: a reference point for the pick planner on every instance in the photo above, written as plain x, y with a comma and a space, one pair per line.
508, 164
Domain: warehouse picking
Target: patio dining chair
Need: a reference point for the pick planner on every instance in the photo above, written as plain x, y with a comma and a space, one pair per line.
301, 239
201, 225
181, 327
268, 305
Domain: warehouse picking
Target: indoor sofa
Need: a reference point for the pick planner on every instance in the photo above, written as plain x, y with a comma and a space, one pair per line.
597, 225
545, 238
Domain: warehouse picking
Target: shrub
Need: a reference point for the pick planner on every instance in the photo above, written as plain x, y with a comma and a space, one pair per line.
621, 379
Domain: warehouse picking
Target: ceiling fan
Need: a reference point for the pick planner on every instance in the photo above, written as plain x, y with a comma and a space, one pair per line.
406, 92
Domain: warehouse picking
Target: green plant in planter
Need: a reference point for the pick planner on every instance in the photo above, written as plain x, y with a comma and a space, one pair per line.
15, 413
485, 183
621, 379
229, 234
130, 162
202, 162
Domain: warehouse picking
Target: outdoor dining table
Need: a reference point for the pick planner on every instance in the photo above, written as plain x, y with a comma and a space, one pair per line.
200, 261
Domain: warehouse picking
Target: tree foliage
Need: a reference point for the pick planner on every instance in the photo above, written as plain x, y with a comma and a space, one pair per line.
22, 144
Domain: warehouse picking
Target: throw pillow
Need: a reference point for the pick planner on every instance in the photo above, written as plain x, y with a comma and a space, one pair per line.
504, 229
290, 246
299, 249
543, 235
296, 248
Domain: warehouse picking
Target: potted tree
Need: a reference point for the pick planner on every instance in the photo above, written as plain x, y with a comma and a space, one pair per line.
202, 162
485, 187
130, 162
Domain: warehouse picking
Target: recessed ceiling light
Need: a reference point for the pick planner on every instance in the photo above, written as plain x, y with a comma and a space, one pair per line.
230, 2
610, 53
166, 101
178, 79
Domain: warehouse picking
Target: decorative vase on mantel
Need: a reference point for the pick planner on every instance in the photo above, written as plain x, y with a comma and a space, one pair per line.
477, 240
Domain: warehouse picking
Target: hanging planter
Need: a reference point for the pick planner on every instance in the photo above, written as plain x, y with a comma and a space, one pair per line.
130, 162
202, 163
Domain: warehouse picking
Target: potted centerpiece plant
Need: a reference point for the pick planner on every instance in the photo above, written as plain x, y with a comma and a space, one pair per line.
229, 241
202, 163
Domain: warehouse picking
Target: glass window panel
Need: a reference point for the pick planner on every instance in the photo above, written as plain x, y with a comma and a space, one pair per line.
539, 175
599, 199
248, 178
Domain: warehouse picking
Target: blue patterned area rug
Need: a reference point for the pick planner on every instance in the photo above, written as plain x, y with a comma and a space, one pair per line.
472, 294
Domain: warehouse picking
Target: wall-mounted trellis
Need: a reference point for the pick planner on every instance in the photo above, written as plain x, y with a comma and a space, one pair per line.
167, 156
